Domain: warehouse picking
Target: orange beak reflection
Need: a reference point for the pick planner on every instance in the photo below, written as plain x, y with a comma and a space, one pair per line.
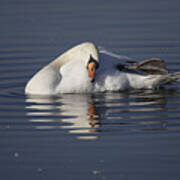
91, 70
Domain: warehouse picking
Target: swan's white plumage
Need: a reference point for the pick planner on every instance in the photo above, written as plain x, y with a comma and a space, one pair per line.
74, 79
68, 74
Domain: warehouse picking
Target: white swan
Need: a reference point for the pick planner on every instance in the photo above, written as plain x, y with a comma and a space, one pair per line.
83, 69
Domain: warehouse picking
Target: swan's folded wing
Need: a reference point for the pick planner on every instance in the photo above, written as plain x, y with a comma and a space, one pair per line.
147, 66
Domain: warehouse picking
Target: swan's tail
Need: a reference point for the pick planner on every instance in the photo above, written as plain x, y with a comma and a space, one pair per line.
156, 81
172, 78
153, 81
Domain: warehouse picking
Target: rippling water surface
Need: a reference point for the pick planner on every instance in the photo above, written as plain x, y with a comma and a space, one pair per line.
122, 135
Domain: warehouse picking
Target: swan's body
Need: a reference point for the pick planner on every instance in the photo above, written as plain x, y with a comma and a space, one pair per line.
70, 73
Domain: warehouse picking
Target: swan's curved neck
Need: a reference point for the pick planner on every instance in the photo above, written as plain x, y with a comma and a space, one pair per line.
61, 60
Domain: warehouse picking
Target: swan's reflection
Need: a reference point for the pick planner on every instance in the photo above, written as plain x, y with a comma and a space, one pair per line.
87, 115
76, 113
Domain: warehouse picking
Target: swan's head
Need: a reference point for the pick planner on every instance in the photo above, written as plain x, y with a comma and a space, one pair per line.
89, 55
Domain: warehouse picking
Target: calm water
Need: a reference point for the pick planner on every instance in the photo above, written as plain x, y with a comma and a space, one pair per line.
107, 136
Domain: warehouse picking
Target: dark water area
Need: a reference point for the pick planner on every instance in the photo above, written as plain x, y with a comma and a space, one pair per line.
126, 135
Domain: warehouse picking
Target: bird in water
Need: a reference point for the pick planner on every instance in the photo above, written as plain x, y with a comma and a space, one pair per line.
86, 69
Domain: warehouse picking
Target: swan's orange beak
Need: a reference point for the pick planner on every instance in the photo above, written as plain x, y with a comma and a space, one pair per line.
91, 70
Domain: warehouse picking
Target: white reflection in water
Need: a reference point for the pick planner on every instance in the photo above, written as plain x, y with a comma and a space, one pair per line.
75, 112
87, 115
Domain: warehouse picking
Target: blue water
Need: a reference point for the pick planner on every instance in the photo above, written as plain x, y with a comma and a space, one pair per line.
107, 136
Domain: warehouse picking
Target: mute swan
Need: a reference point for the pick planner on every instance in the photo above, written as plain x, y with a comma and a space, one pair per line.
84, 69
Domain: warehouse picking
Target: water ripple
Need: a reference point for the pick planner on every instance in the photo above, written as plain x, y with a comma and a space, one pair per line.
88, 116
